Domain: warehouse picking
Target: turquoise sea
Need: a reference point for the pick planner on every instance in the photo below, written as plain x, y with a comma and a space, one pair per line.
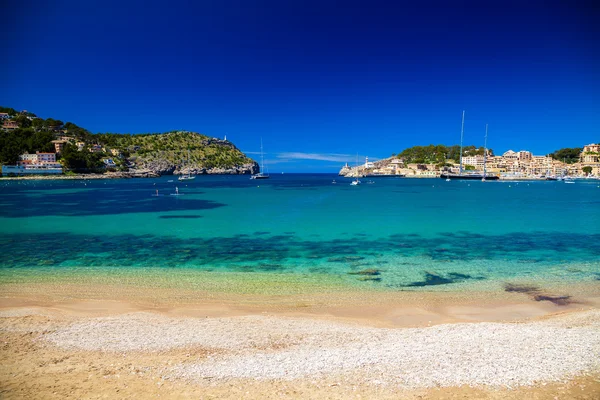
418, 234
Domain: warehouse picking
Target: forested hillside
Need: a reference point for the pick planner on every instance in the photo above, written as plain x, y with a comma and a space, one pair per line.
84, 151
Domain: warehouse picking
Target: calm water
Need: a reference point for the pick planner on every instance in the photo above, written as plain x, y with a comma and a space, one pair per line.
418, 233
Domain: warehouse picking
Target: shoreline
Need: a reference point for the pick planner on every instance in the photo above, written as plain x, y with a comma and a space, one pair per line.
184, 334
381, 310
108, 175
65, 341
190, 292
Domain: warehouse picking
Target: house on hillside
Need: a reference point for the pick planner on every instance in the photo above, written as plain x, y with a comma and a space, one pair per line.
109, 163
590, 157
590, 153
9, 125
59, 145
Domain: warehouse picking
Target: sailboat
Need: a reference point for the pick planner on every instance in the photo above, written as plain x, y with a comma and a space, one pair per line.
261, 175
468, 176
548, 176
187, 177
484, 153
356, 181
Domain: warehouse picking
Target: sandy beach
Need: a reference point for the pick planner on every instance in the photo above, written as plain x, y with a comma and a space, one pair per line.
63, 339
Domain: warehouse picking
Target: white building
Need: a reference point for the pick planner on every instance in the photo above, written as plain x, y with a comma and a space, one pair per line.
475, 161
590, 153
37, 158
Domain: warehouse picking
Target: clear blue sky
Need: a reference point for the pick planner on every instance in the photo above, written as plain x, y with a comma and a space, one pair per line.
319, 81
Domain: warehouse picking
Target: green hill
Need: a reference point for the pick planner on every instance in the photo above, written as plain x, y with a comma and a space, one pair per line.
163, 153
173, 152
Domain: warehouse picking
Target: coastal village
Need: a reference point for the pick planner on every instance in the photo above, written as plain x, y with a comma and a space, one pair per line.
509, 166
47, 163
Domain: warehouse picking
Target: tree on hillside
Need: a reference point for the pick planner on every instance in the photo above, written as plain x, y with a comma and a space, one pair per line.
587, 170
10, 148
81, 161
9, 111
54, 123
568, 155
73, 159
437, 154
23, 121
40, 141
13, 144
78, 132
453, 153
39, 124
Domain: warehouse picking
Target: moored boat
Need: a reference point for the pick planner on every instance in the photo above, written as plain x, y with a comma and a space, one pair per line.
470, 177
261, 175
188, 176
473, 175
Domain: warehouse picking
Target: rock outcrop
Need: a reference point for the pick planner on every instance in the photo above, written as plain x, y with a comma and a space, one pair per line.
245, 169
160, 167
345, 171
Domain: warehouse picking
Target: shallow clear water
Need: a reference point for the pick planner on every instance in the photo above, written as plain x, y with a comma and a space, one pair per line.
417, 233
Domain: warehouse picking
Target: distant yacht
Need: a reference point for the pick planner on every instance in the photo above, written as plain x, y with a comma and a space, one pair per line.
484, 153
261, 175
187, 177
356, 181
468, 175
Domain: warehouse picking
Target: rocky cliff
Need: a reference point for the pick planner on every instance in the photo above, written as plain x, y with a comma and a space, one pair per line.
186, 152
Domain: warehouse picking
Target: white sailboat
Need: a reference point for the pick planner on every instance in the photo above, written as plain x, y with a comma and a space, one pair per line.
188, 176
356, 181
484, 153
468, 175
261, 174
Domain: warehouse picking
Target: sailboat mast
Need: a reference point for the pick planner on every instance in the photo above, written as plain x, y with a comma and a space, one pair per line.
262, 158
485, 149
462, 130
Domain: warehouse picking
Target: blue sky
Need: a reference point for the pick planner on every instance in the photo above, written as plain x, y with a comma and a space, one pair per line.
319, 81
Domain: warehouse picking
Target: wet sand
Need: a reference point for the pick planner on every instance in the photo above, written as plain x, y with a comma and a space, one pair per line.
39, 318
